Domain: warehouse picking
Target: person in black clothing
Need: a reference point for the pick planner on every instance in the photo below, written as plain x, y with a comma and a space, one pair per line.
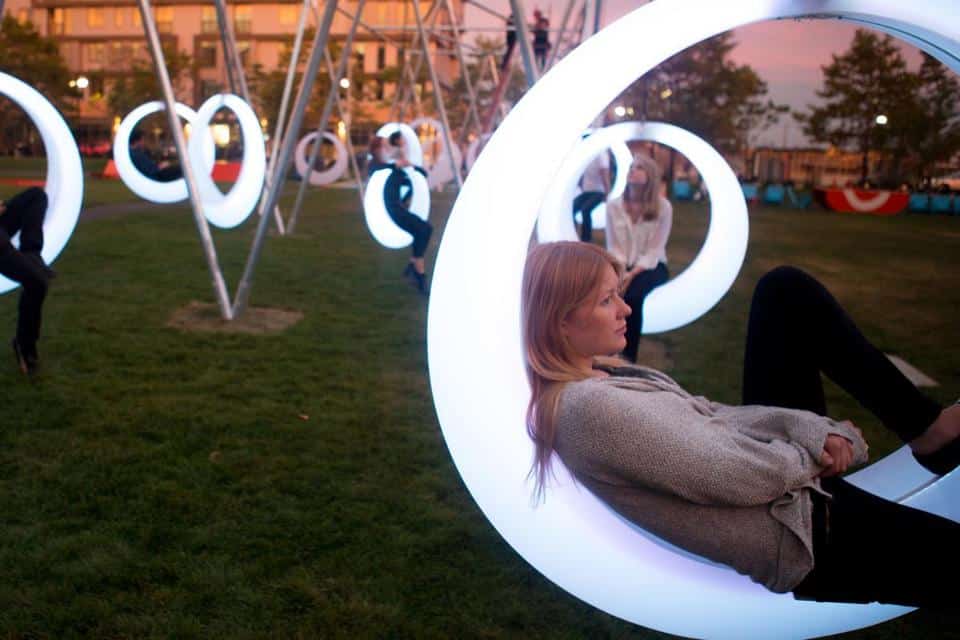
396, 197
25, 212
162, 172
541, 38
511, 37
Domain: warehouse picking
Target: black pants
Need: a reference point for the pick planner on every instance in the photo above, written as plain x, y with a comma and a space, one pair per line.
170, 173
866, 549
585, 203
637, 291
24, 213
420, 229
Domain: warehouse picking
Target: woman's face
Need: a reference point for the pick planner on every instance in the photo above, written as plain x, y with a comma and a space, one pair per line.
637, 175
597, 327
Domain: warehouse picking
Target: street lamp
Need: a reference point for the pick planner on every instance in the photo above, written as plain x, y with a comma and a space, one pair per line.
82, 82
619, 111
881, 119
344, 83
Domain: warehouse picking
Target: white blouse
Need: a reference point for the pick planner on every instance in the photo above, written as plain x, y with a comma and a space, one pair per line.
640, 243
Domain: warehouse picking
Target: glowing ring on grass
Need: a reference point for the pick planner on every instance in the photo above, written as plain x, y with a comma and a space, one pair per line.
476, 355
381, 225
64, 183
148, 188
320, 178
701, 285
414, 150
230, 209
439, 172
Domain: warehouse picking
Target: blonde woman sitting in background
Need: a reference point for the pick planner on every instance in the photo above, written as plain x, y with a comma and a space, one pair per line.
638, 227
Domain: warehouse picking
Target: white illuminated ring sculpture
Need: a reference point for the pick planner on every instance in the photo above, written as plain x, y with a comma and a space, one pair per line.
623, 158
381, 225
328, 176
439, 171
147, 188
414, 150
230, 209
64, 184
701, 285
476, 356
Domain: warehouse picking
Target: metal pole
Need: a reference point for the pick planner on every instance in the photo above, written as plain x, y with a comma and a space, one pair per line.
438, 97
176, 130
471, 95
286, 152
523, 39
563, 30
596, 15
325, 114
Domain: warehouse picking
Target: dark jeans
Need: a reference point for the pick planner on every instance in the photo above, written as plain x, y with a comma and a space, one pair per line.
637, 291
420, 229
585, 203
866, 549
24, 213
170, 173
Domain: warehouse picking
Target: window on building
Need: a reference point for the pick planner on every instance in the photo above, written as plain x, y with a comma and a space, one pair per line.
208, 22
120, 54
164, 18
243, 49
118, 16
243, 19
23, 16
381, 57
207, 55
136, 17
94, 17
58, 22
95, 54
288, 15
381, 89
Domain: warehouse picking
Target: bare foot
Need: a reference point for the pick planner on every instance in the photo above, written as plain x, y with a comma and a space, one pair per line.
944, 429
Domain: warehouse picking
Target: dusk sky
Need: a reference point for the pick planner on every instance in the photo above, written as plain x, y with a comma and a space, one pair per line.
787, 54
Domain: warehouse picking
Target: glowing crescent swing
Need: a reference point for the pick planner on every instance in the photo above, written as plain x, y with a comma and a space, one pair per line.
414, 150
221, 210
478, 383
381, 225
330, 175
64, 183
701, 285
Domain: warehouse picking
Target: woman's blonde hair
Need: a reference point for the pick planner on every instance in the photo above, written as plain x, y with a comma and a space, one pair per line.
558, 278
646, 196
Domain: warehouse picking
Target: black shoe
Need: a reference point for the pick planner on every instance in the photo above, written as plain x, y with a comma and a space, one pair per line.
943, 460
27, 363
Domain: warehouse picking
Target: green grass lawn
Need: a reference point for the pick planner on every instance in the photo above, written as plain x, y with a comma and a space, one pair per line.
162, 484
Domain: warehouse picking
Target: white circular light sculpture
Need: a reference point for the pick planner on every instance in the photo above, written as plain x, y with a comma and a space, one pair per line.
439, 171
414, 150
327, 176
381, 225
479, 386
229, 210
222, 210
701, 285
64, 183
148, 188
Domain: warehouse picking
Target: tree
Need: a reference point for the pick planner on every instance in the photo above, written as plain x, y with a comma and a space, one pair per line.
140, 85
703, 91
36, 60
868, 80
478, 66
928, 127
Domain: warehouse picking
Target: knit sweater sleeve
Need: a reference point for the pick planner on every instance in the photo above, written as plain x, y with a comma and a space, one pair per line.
657, 440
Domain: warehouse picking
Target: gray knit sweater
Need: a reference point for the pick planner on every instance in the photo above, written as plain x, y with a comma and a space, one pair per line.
731, 484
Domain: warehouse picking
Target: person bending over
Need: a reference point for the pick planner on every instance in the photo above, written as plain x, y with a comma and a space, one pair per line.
163, 172
396, 197
24, 213
638, 227
755, 486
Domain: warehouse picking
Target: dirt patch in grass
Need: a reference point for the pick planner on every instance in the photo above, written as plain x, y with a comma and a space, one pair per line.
204, 316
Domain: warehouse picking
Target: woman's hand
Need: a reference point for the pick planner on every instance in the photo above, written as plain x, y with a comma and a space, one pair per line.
836, 457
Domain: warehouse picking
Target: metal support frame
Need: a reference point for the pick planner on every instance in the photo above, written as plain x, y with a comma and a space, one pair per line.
238, 79
438, 95
327, 110
415, 73
563, 30
286, 153
471, 94
523, 42
179, 141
